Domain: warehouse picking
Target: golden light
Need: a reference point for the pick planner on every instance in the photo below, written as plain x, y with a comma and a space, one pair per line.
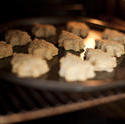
82, 55
98, 22
89, 42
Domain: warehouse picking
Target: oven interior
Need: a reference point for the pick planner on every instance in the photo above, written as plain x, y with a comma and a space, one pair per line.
20, 103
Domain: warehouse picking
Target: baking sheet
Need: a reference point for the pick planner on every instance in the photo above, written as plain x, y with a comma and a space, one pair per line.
51, 80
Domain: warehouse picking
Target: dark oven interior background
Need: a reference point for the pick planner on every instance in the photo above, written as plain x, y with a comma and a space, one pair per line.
13, 9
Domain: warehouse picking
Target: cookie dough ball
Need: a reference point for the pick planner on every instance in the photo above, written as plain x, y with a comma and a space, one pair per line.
43, 49
26, 65
112, 48
101, 61
43, 30
5, 49
78, 28
17, 37
70, 41
114, 36
72, 68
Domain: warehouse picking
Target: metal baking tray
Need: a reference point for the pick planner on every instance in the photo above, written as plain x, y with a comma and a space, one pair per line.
51, 80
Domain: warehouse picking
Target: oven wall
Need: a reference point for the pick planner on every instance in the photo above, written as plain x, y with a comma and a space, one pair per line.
11, 9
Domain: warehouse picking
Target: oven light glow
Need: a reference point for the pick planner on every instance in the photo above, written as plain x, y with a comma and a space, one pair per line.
89, 42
